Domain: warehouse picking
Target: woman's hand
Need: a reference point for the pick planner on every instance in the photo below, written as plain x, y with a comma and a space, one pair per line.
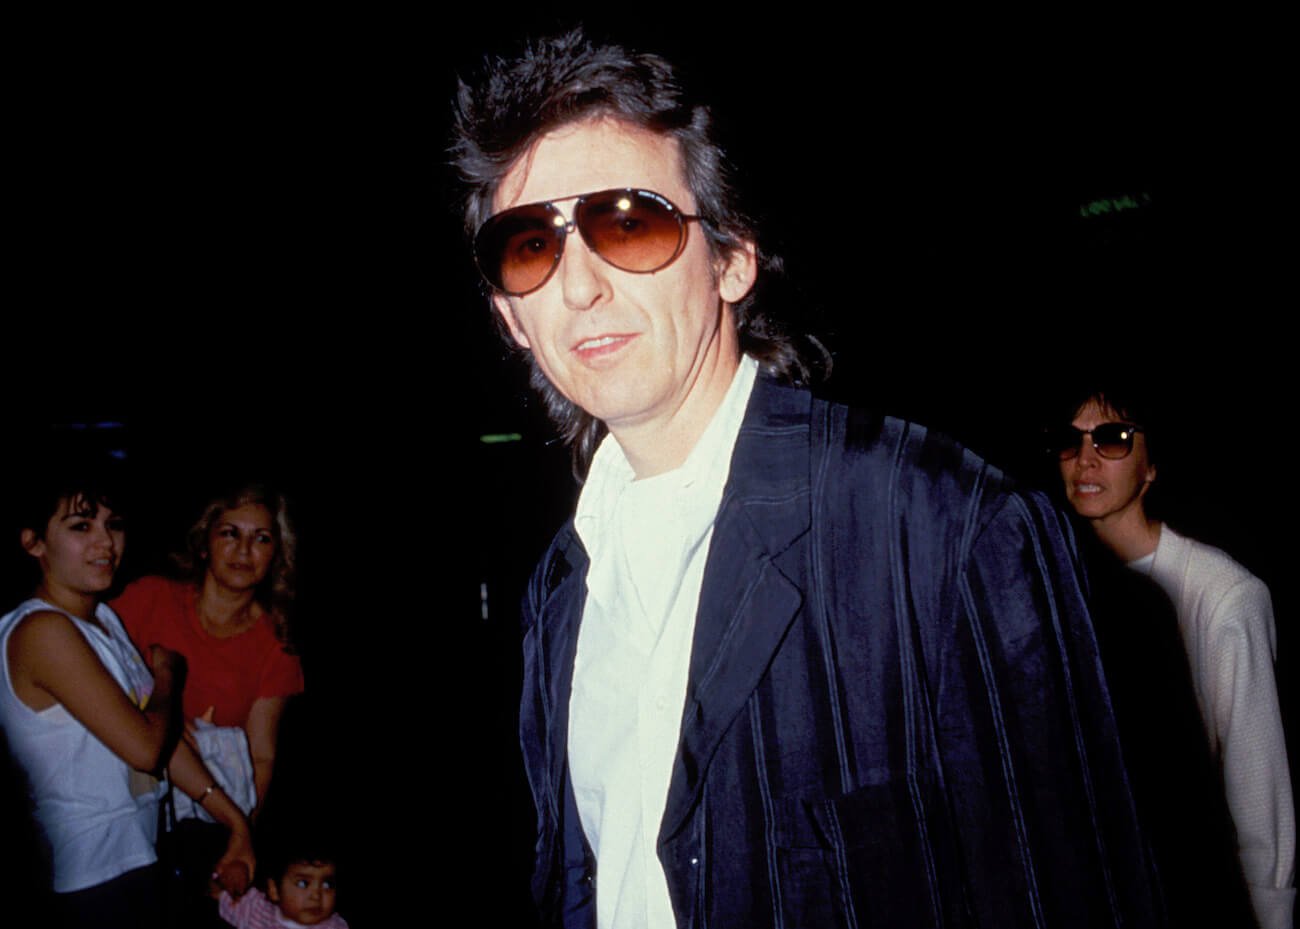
234, 870
165, 661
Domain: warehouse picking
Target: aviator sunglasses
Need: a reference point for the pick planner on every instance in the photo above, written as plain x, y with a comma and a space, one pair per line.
1111, 440
518, 249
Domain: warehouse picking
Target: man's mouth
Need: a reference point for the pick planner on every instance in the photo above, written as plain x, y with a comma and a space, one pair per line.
599, 345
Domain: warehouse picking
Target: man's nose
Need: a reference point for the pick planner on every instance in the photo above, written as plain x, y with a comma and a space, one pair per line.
583, 274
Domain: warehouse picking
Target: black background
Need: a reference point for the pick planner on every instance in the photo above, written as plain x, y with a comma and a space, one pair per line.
239, 238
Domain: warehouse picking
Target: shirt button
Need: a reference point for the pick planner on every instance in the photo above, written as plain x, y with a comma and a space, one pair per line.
694, 862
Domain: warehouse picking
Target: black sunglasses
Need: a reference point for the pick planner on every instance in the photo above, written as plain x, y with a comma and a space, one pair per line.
518, 249
1111, 440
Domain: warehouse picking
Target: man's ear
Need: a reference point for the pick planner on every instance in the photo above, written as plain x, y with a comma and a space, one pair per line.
737, 271
31, 544
502, 306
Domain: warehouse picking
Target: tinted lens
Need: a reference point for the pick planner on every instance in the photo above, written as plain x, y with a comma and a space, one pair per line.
1064, 442
635, 230
517, 250
1113, 440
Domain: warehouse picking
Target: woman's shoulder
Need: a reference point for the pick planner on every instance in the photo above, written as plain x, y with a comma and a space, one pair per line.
263, 634
155, 609
151, 594
155, 585
38, 618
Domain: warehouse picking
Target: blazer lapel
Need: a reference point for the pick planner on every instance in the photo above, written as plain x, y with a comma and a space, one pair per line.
748, 598
566, 582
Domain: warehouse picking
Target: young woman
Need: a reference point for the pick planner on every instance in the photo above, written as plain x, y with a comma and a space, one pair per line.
90, 723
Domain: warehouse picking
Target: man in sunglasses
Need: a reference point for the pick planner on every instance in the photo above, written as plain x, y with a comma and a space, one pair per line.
1225, 618
790, 664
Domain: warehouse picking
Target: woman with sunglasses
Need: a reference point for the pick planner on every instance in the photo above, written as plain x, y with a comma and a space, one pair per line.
1225, 618
90, 722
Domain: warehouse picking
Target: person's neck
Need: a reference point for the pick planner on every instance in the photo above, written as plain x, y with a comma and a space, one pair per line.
80, 605
1130, 535
657, 446
221, 609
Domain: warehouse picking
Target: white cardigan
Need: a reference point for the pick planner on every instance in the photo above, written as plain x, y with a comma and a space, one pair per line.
1226, 619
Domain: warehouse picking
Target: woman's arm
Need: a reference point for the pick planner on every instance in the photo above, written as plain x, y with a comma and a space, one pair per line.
53, 663
235, 868
263, 728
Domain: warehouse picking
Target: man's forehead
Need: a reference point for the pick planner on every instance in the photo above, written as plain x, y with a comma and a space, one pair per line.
594, 154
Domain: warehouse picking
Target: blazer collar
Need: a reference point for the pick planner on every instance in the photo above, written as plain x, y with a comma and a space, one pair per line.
748, 597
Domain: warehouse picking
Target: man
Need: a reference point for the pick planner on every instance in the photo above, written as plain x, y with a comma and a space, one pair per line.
790, 664
1225, 617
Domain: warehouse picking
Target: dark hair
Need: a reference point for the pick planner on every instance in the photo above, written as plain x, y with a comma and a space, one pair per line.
276, 592
1127, 401
301, 846
566, 79
96, 480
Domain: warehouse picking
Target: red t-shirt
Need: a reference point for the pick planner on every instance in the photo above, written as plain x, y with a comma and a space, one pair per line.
228, 674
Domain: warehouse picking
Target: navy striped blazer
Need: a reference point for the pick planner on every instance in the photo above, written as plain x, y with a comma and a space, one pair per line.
895, 713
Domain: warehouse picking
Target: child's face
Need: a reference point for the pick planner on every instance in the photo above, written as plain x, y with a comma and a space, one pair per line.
305, 893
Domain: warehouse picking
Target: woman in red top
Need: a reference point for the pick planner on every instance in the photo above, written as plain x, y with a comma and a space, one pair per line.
229, 619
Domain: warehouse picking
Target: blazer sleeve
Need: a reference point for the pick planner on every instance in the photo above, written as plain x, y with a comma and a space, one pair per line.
1041, 799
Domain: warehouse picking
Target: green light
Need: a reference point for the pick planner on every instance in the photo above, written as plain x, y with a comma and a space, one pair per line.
1113, 205
495, 438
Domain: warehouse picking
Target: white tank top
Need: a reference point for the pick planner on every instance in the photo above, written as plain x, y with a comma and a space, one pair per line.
95, 828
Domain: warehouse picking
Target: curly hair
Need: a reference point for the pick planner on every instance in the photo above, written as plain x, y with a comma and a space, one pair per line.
277, 591
566, 79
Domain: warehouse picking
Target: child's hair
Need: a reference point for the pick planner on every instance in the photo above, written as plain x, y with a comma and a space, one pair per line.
298, 848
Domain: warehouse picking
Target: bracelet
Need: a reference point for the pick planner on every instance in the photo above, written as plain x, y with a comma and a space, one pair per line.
203, 796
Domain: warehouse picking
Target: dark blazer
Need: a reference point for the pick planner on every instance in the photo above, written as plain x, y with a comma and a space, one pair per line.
895, 714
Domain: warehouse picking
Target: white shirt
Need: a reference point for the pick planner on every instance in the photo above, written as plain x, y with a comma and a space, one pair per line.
1226, 620
648, 542
82, 793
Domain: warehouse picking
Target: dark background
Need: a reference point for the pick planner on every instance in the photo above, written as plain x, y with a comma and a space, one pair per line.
240, 240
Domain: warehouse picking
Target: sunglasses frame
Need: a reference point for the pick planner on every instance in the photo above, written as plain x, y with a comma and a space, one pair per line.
564, 227
1065, 452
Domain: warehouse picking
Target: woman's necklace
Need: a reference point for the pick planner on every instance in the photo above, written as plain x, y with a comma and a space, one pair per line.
239, 621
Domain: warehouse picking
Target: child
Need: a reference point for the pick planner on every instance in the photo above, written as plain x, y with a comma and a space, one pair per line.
299, 892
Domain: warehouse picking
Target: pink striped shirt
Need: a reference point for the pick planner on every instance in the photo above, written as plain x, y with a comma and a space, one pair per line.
254, 911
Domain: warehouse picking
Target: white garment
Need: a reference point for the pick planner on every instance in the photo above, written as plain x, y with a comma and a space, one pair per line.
224, 752
95, 827
648, 541
1226, 620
